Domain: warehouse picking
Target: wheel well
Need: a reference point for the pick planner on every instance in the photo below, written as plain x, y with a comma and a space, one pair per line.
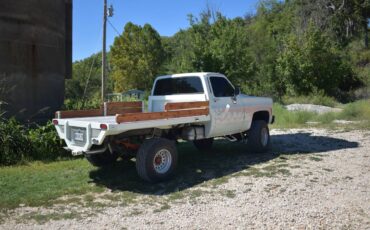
261, 115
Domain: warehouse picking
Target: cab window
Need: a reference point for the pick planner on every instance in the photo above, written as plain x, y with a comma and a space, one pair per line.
179, 85
221, 87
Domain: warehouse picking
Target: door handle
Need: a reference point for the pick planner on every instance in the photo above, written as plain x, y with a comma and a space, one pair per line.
224, 112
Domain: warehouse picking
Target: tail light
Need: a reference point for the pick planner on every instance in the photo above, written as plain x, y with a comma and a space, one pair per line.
103, 126
55, 122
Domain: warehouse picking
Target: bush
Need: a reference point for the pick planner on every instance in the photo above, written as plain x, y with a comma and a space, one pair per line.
316, 99
359, 110
14, 143
46, 145
285, 118
19, 144
313, 63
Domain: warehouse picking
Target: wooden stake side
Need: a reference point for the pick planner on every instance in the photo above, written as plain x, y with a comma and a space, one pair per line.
186, 105
78, 113
114, 108
121, 118
114, 111
128, 104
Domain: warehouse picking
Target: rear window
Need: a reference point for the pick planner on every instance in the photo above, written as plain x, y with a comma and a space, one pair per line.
182, 85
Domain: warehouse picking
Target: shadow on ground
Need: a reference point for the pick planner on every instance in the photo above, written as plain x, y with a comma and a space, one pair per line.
226, 158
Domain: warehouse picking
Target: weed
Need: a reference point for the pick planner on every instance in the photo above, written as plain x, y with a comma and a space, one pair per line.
135, 212
176, 196
328, 170
228, 193
356, 111
162, 208
195, 193
285, 172
317, 99
219, 181
43, 218
315, 158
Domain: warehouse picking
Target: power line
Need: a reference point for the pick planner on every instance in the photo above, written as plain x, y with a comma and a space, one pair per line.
114, 28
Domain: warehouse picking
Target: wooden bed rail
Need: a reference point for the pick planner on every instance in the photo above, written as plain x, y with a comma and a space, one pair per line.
186, 105
172, 110
107, 109
78, 113
113, 108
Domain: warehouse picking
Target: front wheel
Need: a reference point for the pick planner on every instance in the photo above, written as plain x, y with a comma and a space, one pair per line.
259, 136
156, 159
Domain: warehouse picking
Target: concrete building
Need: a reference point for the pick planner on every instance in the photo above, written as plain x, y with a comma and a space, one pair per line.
35, 56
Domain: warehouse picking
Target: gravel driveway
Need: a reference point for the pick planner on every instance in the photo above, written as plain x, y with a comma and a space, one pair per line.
312, 179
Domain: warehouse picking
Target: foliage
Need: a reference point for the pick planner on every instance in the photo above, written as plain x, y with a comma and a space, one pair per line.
342, 20
79, 104
46, 145
317, 99
86, 79
357, 111
19, 144
137, 55
14, 143
310, 65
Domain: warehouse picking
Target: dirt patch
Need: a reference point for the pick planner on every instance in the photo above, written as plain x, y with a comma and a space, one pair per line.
312, 178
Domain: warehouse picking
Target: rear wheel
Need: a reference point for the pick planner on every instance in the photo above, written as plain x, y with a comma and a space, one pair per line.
259, 136
156, 159
102, 159
203, 145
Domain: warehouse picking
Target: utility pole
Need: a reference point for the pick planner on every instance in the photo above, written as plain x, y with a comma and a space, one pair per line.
103, 68
107, 13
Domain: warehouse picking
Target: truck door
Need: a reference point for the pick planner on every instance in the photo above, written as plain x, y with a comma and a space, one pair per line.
227, 113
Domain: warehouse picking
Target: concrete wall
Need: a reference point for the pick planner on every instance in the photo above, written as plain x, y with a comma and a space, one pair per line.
35, 56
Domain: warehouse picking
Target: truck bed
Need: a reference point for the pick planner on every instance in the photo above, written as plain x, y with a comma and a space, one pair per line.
81, 133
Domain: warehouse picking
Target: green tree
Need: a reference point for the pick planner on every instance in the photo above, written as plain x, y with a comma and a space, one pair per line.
86, 78
136, 56
343, 20
229, 50
312, 64
267, 31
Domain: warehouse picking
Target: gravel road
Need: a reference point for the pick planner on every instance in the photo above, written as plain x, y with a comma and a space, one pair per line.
312, 179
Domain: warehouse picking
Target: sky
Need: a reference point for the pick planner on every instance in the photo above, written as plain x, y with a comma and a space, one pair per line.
166, 16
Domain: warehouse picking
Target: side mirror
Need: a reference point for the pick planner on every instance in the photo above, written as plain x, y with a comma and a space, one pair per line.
237, 91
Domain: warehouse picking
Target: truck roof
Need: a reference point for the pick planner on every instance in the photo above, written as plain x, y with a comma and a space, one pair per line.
200, 74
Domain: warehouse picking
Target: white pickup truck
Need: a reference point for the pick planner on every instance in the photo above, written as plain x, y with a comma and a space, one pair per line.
192, 106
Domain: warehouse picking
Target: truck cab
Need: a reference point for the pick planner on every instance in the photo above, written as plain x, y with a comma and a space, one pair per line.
230, 111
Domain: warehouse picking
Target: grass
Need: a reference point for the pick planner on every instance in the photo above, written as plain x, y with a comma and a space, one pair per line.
357, 111
316, 99
77, 183
43, 218
315, 158
39, 183
162, 208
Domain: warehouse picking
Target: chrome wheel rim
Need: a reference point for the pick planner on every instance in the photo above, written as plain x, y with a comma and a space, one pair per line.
162, 161
264, 137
